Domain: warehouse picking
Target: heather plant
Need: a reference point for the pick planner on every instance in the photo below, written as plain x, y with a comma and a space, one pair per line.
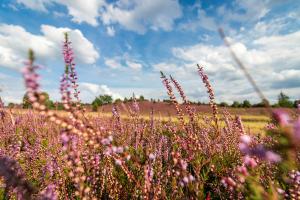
45, 155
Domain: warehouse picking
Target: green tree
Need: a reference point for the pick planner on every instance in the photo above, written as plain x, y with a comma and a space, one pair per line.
11, 105
235, 104
246, 104
142, 98
296, 103
263, 103
284, 101
118, 100
94, 107
102, 100
223, 104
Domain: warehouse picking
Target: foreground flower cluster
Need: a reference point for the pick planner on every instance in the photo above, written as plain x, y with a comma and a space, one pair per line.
44, 155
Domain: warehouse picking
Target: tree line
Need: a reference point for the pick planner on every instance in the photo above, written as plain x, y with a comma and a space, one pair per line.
282, 101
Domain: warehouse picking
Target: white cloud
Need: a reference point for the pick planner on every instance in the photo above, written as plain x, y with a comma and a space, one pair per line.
110, 31
81, 11
11, 88
112, 63
39, 5
167, 67
133, 15
84, 50
91, 90
134, 65
273, 61
15, 42
202, 20
129, 62
139, 15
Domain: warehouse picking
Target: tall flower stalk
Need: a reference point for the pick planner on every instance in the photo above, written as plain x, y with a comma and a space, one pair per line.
172, 97
211, 94
186, 102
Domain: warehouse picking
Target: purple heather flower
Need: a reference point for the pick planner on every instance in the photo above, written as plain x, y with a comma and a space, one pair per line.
246, 139
297, 130
64, 138
272, 157
244, 148
185, 179
248, 161
49, 193
281, 117
151, 156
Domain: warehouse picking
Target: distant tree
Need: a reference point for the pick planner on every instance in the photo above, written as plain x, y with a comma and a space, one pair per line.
263, 103
118, 100
296, 103
125, 100
94, 107
142, 98
102, 100
11, 105
246, 104
167, 101
284, 101
235, 104
224, 104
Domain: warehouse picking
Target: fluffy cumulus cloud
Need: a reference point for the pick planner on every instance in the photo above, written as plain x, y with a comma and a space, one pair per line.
15, 41
132, 15
112, 63
123, 62
273, 61
11, 88
81, 11
134, 65
39, 5
138, 15
91, 90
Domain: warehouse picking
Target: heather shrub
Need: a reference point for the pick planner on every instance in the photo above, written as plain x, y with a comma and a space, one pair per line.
44, 155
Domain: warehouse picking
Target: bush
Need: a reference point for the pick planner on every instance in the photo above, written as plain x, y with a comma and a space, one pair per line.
246, 104
235, 104
102, 100
223, 104
284, 101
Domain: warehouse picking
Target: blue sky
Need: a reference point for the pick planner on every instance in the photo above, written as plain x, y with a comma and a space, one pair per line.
122, 45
